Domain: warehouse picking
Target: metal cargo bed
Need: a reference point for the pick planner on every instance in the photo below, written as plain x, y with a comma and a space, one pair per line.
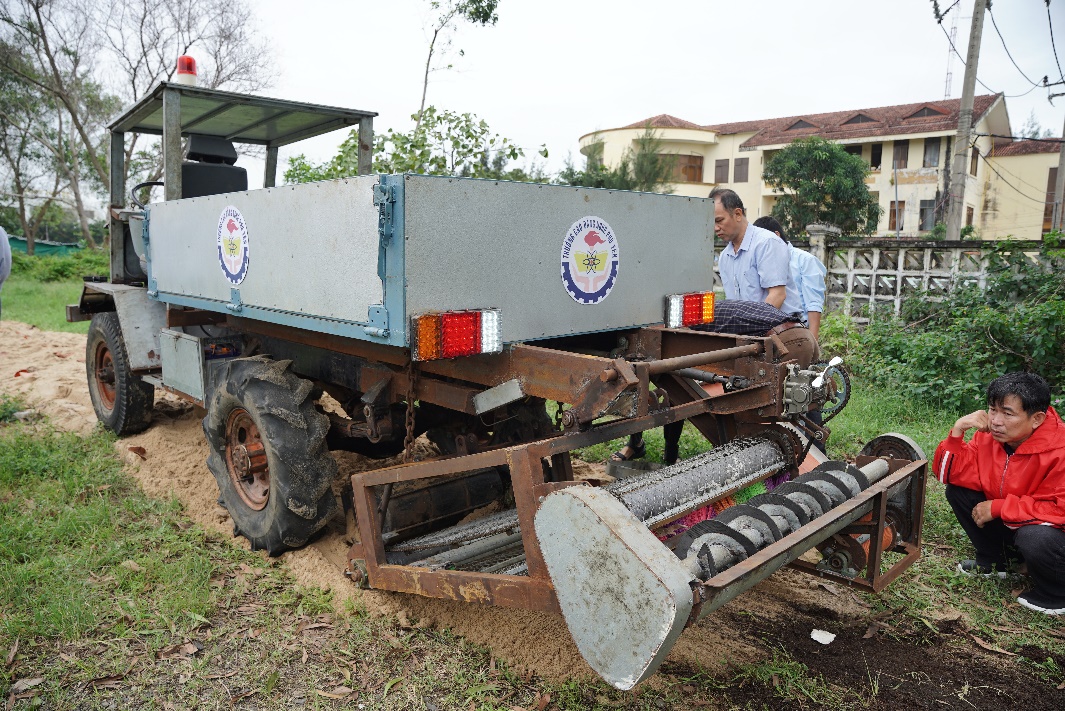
359, 257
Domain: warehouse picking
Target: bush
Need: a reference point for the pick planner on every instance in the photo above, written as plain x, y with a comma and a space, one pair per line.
70, 266
946, 352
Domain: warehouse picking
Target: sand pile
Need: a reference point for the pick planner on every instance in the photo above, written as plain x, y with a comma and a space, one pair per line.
48, 371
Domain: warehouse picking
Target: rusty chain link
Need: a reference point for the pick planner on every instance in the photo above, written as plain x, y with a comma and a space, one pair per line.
412, 385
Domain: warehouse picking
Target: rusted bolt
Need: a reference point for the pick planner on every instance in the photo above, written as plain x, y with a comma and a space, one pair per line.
569, 419
609, 374
761, 371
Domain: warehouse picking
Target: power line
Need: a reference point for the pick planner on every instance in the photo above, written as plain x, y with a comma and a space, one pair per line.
1022, 138
1041, 201
1006, 49
1050, 23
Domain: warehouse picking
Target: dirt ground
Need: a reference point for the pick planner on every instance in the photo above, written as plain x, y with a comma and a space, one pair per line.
47, 370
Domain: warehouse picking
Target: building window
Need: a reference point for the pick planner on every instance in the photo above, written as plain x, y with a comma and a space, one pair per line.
1048, 211
901, 155
721, 171
739, 172
860, 118
968, 217
931, 152
896, 215
799, 124
922, 113
974, 161
854, 150
687, 169
928, 215
876, 156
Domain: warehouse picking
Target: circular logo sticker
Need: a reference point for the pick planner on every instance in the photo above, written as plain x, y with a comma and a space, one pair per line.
589, 260
233, 245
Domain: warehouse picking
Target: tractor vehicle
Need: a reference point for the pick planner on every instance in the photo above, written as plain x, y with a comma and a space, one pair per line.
460, 308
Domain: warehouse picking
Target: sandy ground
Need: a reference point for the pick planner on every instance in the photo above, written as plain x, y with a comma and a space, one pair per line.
48, 370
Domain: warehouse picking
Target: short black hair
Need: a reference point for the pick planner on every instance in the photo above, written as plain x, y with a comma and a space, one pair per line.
769, 223
1030, 389
728, 199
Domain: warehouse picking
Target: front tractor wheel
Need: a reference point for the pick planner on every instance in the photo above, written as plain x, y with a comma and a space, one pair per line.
122, 401
268, 454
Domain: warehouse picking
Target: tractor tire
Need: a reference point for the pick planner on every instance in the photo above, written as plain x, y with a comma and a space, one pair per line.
122, 401
268, 454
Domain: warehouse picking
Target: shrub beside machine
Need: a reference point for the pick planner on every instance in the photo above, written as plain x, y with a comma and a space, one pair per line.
458, 309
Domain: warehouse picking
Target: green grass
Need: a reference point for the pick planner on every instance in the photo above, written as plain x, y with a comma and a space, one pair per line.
42, 304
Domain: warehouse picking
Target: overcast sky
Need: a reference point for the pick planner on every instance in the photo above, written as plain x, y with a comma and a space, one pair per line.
553, 70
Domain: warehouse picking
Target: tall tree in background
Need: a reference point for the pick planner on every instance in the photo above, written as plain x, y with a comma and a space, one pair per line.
89, 57
446, 143
817, 181
445, 15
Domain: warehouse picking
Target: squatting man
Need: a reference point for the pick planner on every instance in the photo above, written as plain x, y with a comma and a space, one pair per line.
1007, 488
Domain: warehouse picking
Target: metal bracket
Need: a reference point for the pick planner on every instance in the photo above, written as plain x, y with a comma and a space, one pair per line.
384, 196
378, 327
235, 304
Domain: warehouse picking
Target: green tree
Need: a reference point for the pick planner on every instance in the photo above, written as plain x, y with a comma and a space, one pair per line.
445, 13
643, 167
819, 182
445, 143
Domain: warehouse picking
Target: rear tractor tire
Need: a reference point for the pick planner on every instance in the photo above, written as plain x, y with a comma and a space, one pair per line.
122, 401
268, 454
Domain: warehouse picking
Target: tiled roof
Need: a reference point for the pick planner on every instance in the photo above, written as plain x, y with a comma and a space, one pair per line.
664, 121
1025, 147
887, 121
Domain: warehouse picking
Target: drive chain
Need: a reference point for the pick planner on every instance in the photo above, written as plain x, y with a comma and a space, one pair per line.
412, 387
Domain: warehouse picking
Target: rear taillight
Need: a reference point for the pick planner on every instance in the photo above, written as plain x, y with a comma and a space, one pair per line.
689, 309
451, 334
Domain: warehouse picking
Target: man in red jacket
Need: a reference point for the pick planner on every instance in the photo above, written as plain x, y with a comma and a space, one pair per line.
1007, 487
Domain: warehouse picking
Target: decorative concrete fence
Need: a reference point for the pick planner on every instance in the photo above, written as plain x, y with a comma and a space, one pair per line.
876, 275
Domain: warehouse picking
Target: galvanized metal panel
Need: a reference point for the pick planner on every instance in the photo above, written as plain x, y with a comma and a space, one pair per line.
141, 319
183, 364
624, 595
485, 244
312, 250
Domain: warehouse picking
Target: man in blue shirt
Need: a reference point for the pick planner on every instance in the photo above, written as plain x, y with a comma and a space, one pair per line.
755, 265
808, 273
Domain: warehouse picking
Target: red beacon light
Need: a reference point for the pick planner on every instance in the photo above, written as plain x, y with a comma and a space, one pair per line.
186, 71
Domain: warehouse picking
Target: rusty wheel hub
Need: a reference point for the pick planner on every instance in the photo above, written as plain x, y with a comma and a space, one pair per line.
105, 375
246, 459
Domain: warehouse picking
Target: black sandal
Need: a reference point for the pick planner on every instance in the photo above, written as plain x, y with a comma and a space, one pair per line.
638, 452
671, 453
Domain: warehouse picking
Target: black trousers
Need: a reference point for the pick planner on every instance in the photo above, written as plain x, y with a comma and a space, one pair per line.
1041, 547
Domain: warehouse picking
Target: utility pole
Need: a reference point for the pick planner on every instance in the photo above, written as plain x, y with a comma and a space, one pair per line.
965, 124
1057, 222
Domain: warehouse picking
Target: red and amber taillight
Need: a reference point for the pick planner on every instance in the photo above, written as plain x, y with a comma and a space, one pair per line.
689, 309
451, 334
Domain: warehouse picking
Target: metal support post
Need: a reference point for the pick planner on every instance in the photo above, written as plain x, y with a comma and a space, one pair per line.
171, 144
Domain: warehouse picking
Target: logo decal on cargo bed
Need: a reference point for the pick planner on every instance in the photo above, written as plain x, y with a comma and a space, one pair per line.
233, 245
590, 260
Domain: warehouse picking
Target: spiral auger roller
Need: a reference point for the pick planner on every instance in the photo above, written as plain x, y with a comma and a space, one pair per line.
627, 596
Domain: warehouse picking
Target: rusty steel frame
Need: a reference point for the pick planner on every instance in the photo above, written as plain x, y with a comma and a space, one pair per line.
874, 580
723, 587
534, 591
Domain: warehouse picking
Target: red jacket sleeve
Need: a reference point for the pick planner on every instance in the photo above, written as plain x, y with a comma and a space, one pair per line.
955, 463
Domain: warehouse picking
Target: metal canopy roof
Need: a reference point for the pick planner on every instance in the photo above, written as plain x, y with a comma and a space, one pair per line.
236, 117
